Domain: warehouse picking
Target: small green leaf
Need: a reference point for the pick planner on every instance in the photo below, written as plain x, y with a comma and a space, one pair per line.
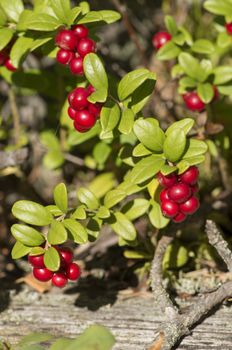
168, 51
61, 344
114, 197
142, 94
170, 25
31, 213
102, 184
223, 74
79, 213
52, 259
12, 9
96, 75
205, 92
53, 159
27, 235
57, 233
19, 250
156, 217
107, 16
203, 46
6, 35
61, 9
77, 231
20, 48
184, 164
123, 227
185, 124
223, 40
187, 82
86, 197
195, 148
135, 208
149, 134
126, 122
145, 169
101, 153
192, 67
77, 138
103, 212
221, 7
174, 145
176, 256
54, 210
109, 118
37, 251
34, 338
140, 151
61, 197
43, 22
225, 90
168, 169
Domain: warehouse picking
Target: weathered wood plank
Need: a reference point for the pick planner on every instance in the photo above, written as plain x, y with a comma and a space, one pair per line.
132, 321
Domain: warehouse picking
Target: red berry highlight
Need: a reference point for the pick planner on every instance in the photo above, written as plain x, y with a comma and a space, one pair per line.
59, 279
86, 46
36, 261
76, 66
80, 31
8, 64
72, 113
160, 39
164, 195
64, 56
166, 180
43, 275
66, 39
190, 176
193, 101
179, 193
73, 272
190, 206
169, 208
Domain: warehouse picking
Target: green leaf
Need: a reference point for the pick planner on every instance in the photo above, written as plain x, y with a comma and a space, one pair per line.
19, 250
109, 118
218, 7
27, 235
184, 164
195, 148
12, 9
31, 213
135, 208
170, 25
168, 169
102, 184
101, 152
114, 197
74, 13
185, 124
223, 74
37, 251
223, 40
156, 217
95, 337
203, 46
3, 17
86, 197
126, 122
79, 213
149, 134
61, 344
205, 92
192, 67
85, 8
140, 151
176, 256
174, 145
52, 259
20, 48
77, 231
187, 36
34, 338
142, 94
131, 81
77, 138
135, 254
57, 233
225, 90
187, 82
53, 160
23, 20
61, 9
168, 51
123, 227
96, 75
6, 35
145, 169
43, 22
103, 212
61, 197
107, 16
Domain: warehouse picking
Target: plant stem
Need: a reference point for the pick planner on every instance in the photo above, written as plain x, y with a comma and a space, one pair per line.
15, 115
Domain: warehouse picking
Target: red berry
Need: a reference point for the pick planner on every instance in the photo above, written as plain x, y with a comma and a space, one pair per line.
76, 66
190, 176
86, 46
72, 113
66, 39
90, 89
193, 101
42, 275
190, 206
59, 279
169, 208
164, 195
80, 31
95, 109
229, 28
78, 98
2, 58
36, 261
180, 217
73, 272
160, 39
8, 64
85, 119
79, 128
64, 56
166, 180
66, 255
179, 193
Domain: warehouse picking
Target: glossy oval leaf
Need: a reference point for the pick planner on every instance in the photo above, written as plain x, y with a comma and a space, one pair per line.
57, 233
149, 134
203, 46
19, 250
52, 259
61, 197
12, 9
19, 50
170, 25
6, 35
114, 197
126, 122
174, 145
168, 51
27, 235
185, 124
195, 148
123, 227
109, 118
205, 92
78, 232
131, 81
86, 197
32, 213
223, 74
135, 208
156, 217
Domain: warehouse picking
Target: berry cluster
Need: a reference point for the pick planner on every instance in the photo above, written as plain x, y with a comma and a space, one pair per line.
74, 45
229, 28
160, 39
193, 101
178, 196
68, 270
83, 112
5, 61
